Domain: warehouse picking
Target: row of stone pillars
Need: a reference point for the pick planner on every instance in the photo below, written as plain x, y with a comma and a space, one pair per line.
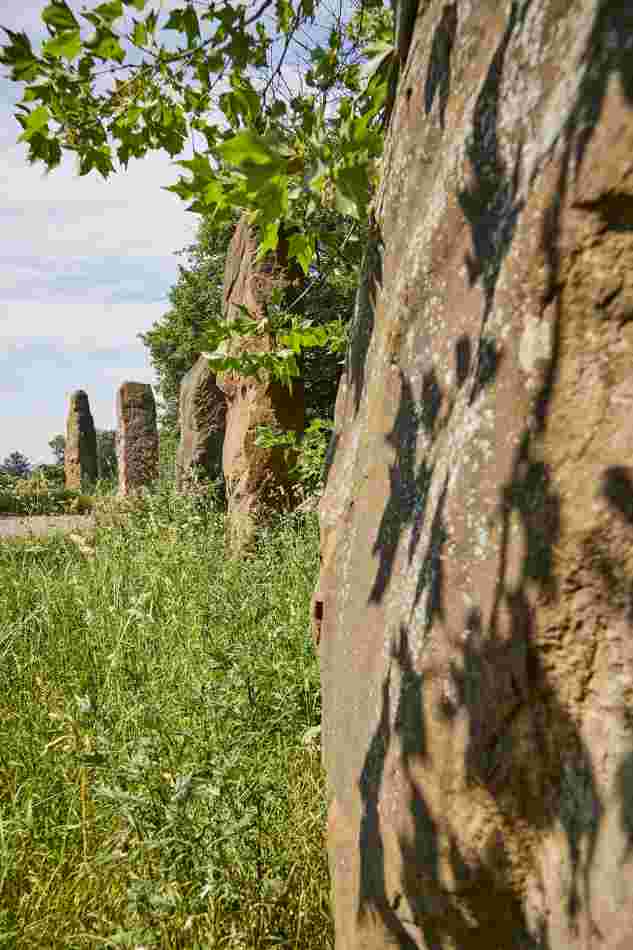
137, 439
219, 416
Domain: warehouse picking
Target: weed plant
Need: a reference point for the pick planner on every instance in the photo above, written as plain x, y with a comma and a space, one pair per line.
160, 779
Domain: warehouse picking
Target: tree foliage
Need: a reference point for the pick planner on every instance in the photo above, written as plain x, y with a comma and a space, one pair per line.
106, 452
176, 340
17, 465
282, 102
57, 445
107, 465
274, 90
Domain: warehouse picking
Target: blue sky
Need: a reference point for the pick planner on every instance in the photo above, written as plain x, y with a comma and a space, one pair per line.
85, 265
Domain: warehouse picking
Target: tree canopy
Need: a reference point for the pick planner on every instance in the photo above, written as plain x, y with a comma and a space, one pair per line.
177, 339
57, 445
282, 106
17, 465
106, 452
282, 118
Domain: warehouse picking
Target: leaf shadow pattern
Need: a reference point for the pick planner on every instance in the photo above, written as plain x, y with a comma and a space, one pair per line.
567, 791
438, 77
408, 488
617, 489
362, 327
491, 204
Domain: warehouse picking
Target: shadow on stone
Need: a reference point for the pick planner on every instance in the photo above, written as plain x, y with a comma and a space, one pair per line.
523, 746
438, 77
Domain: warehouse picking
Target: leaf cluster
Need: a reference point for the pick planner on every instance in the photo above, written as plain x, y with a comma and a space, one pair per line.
282, 120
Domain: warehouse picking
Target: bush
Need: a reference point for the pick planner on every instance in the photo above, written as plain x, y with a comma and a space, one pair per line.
38, 496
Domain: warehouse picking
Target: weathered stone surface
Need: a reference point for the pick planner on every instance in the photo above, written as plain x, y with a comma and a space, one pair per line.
137, 437
474, 608
80, 453
256, 478
202, 416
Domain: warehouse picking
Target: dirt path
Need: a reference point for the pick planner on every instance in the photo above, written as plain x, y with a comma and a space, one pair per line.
37, 526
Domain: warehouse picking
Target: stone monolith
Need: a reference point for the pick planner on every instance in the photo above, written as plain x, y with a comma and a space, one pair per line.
256, 478
201, 417
80, 452
475, 605
137, 437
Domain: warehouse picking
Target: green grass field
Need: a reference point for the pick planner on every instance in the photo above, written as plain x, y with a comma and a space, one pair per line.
160, 777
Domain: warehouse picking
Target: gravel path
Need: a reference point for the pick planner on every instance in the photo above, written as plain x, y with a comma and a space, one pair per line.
20, 526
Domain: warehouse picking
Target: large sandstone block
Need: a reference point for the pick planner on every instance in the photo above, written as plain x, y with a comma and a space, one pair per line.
80, 453
474, 608
256, 478
137, 437
202, 416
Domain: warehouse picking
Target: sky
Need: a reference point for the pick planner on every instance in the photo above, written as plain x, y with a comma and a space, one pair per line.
85, 266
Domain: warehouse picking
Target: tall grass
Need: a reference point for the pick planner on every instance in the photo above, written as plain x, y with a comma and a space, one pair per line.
160, 780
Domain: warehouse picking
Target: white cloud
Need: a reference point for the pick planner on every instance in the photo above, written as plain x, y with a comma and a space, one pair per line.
77, 326
65, 215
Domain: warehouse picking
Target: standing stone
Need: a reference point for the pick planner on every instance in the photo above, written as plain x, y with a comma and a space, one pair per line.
137, 437
80, 453
256, 478
201, 416
475, 603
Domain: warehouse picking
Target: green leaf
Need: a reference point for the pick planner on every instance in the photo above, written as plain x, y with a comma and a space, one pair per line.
352, 191
139, 33
105, 45
34, 122
378, 53
19, 56
129, 117
284, 15
200, 168
184, 20
214, 193
269, 239
344, 204
110, 11
137, 4
59, 16
278, 109
65, 45
249, 146
302, 247
175, 21
150, 22
98, 158
215, 62
192, 27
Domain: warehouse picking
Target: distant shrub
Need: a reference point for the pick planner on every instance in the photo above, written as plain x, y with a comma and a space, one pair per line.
38, 495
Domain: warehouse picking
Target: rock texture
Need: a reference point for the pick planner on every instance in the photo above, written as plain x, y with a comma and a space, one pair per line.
137, 437
80, 453
202, 416
475, 604
256, 478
